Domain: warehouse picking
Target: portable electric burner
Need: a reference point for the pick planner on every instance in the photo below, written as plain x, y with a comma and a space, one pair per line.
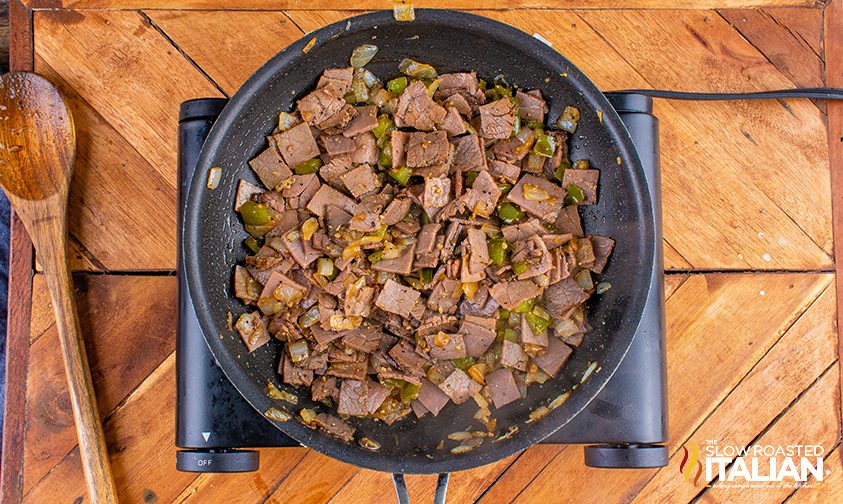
623, 427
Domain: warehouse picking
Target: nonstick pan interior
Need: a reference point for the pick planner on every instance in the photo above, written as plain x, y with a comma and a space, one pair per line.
450, 41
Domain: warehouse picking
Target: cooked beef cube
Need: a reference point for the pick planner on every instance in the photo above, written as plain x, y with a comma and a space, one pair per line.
317, 361
301, 251
444, 297
427, 255
556, 355
415, 109
513, 293
502, 386
569, 221
296, 144
335, 145
452, 234
475, 256
562, 266
323, 337
403, 264
245, 191
483, 196
503, 170
407, 358
437, 192
512, 355
432, 397
444, 346
272, 199
366, 149
336, 217
301, 190
559, 155
427, 149
353, 395
511, 150
585, 180
479, 336
469, 154
377, 394
464, 84
481, 305
419, 409
270, 166
252, 330
531, 107
361, 180
327, 195
546, 209
459, 102
453, 123
293, 374
574, 340
436, 323
562, 297
534, 253
261, 267
339, 120
459, 387
552, 241
497, 119
603, 246
396, 298
324, 387
585, 252
319, 105
396, 211
339, 77
528, 337
354, 370
398, 141
334, 426
366, 119
518, 232
335, 168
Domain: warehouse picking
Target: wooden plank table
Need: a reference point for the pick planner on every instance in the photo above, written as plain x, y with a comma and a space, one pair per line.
749, 211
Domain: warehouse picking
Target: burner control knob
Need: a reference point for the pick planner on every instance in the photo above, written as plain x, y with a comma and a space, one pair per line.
217, 461
625, 456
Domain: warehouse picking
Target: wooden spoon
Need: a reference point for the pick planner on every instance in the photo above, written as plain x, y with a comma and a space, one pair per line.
37, 151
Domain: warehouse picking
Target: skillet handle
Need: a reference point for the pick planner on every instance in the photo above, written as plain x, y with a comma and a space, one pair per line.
404, 496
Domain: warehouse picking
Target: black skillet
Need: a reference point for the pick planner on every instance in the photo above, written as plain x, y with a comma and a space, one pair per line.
450, 41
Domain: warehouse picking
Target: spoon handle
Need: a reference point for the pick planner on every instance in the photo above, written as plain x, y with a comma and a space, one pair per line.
49, 239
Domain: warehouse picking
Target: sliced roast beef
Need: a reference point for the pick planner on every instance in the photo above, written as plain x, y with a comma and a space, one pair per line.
340, 78
543, 199
336, 217
327, 196
334, 169
377, 394
560, 154
302, 190
505, 171
270, 166
407, 358
335, 145
293, 374
469, 154
252, 330
324, 388
585, 252
353, 370
402, 265
552, 360
319, 105
437, 192
481, 305
603, 246
502, 386
353, 395
398, 142
585, 180
459, 387
529, 337
427, 149
419, 409
338, 121
512, 355
517, 232
569, 221
444, 346
562, 297
552, 241
436, 323
361, 180
535, 255
396, 211
483, 196
396, 298
458, 102
358, 300
334, 426
432, 397
416, 109
245, 192
531, 107
444, 297
475, 256
497, 119
301, 251
514, 149
453, 123
366, 119
465, 84
365, 149
562, 266
513, 293
478, 335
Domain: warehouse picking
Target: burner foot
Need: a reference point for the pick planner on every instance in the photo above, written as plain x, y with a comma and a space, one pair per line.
212, 461
625, 456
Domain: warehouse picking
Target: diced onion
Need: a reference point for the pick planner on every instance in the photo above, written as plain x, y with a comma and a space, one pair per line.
279, 415
535, 193
214, 176
403, 12
362, 55
298, 350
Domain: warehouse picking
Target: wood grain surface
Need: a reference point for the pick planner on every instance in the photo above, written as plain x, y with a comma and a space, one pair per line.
749, 240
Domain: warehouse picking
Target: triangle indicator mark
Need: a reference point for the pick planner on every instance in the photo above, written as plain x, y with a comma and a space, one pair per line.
206, 435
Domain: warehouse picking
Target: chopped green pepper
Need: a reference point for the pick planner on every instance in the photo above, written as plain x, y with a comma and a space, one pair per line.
470, 177
569, 119
582, 164
409, 393
481, 84
416, 70
259, 230
545, 146
525, 306
251, 244
392, 383
583, 279
537, 324
464, 362
602, 287
516, 126
326, 268
504, 187
385, 156
385, 125
503, 313
254, 214
534, 124
308, 167
397, 85
497, 348
575, 195
520, 267
498, 251
401, 175
509, 212
509, 334
426, 276
560, 171
425, 219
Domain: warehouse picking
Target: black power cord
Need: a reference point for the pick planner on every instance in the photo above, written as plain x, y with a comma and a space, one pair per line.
813, 93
